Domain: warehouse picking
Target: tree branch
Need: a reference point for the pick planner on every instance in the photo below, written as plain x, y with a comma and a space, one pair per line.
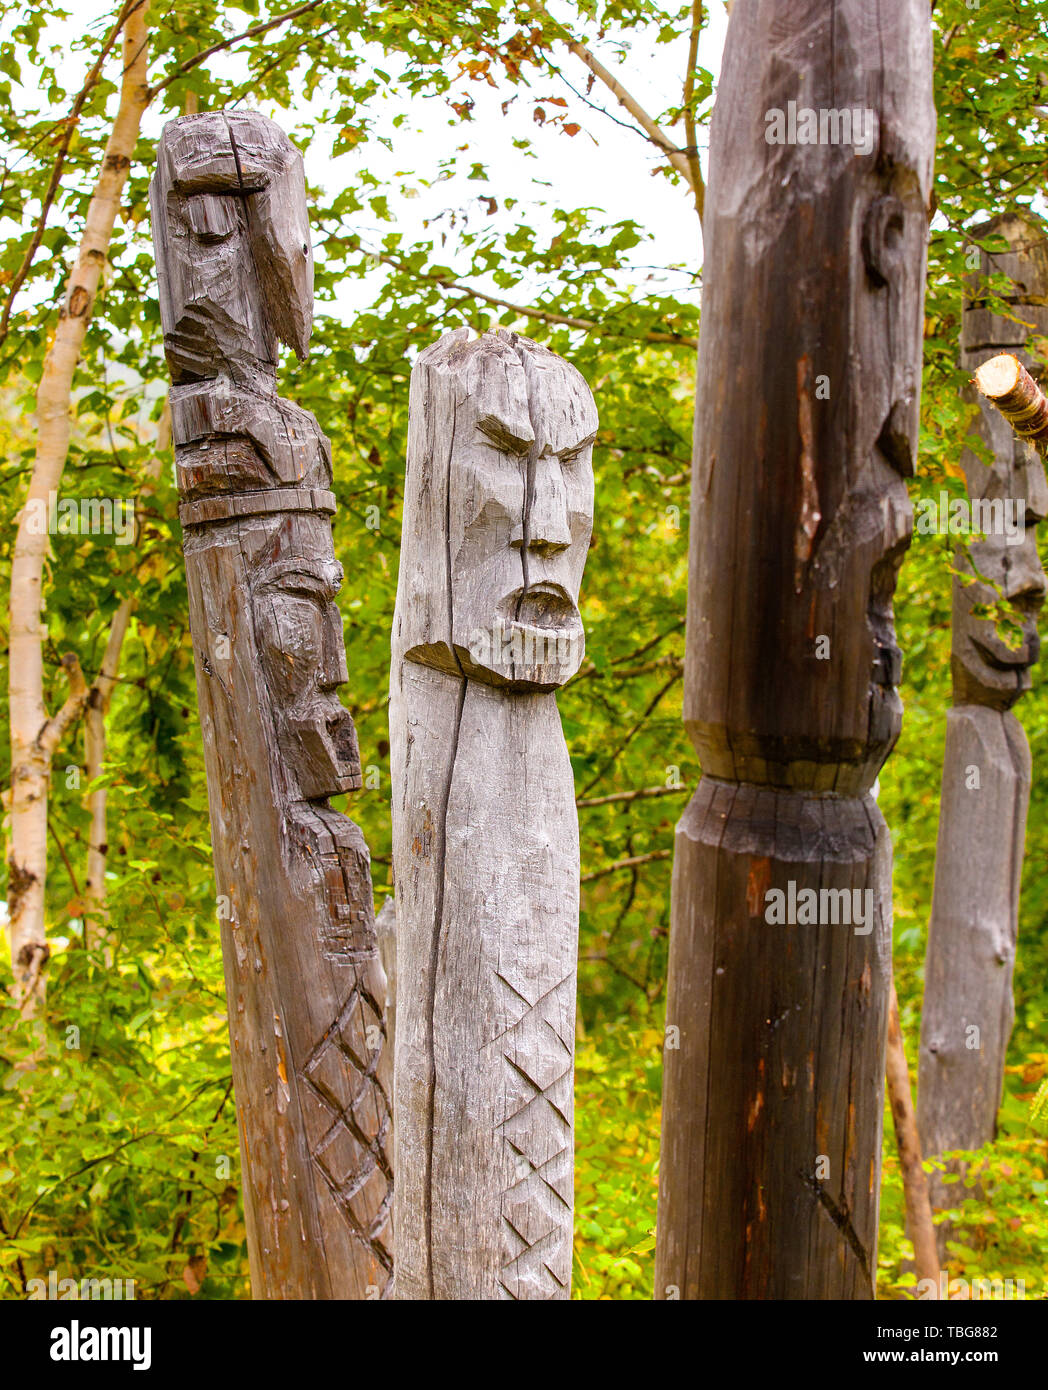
633, 732
626, 864
920, 1225
692, 152
1006, 382
70, 122
254, 32
544, 315
622, 96
54, 729
630, 796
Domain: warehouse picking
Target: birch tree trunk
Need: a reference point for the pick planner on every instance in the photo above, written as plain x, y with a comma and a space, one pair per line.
968, 1010
806, 426
34, 737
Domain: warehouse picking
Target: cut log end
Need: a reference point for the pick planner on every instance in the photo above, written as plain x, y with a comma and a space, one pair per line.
1006, 382
999, 376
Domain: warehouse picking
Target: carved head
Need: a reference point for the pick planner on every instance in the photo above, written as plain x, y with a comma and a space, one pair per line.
1005, 476
991, 663
298, 629
236, 270
808, 391
498, 512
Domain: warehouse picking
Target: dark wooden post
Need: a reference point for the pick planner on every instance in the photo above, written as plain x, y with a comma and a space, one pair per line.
304, 984
806, 427
967, 1016
498, 510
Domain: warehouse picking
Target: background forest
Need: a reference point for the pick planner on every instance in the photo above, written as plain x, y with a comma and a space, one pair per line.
118, 1148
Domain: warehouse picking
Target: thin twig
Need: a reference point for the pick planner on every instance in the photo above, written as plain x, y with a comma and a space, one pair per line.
254, 32
626, 864
630, 796
690, 135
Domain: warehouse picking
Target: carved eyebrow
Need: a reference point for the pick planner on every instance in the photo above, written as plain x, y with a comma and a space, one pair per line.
505, 436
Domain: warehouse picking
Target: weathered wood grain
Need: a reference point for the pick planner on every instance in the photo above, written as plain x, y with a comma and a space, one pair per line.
305, 987
497, 517
806, 427
972, 933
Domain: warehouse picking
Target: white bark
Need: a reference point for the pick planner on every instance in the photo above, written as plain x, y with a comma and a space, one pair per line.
33, 736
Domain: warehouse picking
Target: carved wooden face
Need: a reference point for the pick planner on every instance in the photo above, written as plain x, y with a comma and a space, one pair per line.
991, 663
490, 579
299, 633
228, 202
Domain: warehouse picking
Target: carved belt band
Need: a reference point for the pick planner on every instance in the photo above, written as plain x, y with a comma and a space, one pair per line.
234, 504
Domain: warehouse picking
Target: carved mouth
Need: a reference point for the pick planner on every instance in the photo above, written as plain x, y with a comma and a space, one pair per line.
544, 606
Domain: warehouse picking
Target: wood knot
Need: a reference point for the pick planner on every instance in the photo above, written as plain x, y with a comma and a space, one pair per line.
78, 302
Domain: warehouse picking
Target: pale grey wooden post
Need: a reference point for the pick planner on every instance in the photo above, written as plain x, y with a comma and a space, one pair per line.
968, 1010
498, 508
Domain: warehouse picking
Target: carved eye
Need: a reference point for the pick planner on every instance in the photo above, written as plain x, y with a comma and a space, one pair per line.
882, 235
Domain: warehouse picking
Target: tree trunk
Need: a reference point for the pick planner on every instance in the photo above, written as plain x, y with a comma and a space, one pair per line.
498, 511
968, 1011
33, 736
919, 1222
806, 427
304, 983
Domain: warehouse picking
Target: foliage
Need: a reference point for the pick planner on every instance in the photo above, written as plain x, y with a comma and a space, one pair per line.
618, 1079
120, 1153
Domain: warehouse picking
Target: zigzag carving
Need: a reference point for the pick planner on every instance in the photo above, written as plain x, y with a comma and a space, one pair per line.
536, 1128
350, 1128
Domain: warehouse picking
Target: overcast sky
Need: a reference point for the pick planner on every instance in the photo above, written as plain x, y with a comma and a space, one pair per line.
604, 166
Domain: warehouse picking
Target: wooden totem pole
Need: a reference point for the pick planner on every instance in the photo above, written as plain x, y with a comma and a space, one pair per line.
967, 1015
498, 510
304, 984
806, 426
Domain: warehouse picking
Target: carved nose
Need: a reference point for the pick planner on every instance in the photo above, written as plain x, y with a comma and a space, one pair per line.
548, 529
1024, 579
333, 671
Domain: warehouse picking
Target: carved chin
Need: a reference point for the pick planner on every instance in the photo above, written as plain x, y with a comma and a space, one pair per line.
987, 672
325, 757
